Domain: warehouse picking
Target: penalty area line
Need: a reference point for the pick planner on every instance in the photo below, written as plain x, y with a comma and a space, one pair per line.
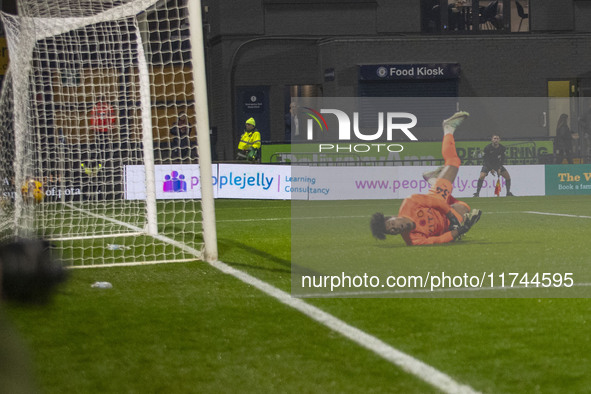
292, 218
566, 215
368, 216
407, 363
421, 291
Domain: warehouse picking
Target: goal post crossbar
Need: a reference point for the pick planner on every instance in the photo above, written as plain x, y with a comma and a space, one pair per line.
47, 27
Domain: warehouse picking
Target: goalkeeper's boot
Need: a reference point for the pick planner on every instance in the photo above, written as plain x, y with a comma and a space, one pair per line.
450, 124
431, 176
509, 194
472, 217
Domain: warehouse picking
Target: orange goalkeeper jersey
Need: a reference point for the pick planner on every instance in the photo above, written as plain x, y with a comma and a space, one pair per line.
428, 211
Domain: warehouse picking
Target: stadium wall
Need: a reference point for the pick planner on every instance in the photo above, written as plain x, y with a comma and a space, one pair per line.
284, 43
417, 153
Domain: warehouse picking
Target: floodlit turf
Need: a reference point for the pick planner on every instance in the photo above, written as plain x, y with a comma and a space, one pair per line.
514, 244
187, 328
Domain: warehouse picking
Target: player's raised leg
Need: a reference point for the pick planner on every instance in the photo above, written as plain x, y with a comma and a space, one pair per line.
452, 165
448, 146
442, 186
448, 149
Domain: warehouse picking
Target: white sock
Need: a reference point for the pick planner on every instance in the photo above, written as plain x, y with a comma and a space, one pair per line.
447, 129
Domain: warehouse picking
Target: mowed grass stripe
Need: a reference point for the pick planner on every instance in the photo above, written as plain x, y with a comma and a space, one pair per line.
406, 362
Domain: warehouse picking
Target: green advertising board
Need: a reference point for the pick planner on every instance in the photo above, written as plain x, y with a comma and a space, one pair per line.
417, 153
568, 179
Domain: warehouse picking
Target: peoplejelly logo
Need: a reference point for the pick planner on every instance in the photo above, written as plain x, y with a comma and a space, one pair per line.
246, 180
389, 122
174, 183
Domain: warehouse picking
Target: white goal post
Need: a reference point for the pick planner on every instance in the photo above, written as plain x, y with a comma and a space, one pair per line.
104, 131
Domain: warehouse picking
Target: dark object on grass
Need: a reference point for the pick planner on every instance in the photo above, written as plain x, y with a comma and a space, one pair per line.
29, 273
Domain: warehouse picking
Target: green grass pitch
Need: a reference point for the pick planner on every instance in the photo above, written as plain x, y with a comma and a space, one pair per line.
188, 328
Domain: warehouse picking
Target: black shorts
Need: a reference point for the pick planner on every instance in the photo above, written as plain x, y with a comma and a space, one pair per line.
487, 169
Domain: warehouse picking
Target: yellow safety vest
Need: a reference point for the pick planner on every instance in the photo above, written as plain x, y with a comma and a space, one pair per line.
250, 140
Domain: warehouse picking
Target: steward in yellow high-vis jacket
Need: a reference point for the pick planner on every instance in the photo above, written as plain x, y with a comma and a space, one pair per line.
249, 147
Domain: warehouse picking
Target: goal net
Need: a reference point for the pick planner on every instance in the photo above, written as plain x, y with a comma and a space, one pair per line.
99, 123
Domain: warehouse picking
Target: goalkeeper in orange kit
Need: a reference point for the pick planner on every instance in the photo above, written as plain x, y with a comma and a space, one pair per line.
435, 217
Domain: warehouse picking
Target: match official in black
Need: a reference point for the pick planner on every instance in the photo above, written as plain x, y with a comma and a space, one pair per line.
494, 157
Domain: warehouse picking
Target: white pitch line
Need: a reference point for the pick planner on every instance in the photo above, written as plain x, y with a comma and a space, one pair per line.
428, 291
252, 220
558, 214
407, 363
367, 216
292, 218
